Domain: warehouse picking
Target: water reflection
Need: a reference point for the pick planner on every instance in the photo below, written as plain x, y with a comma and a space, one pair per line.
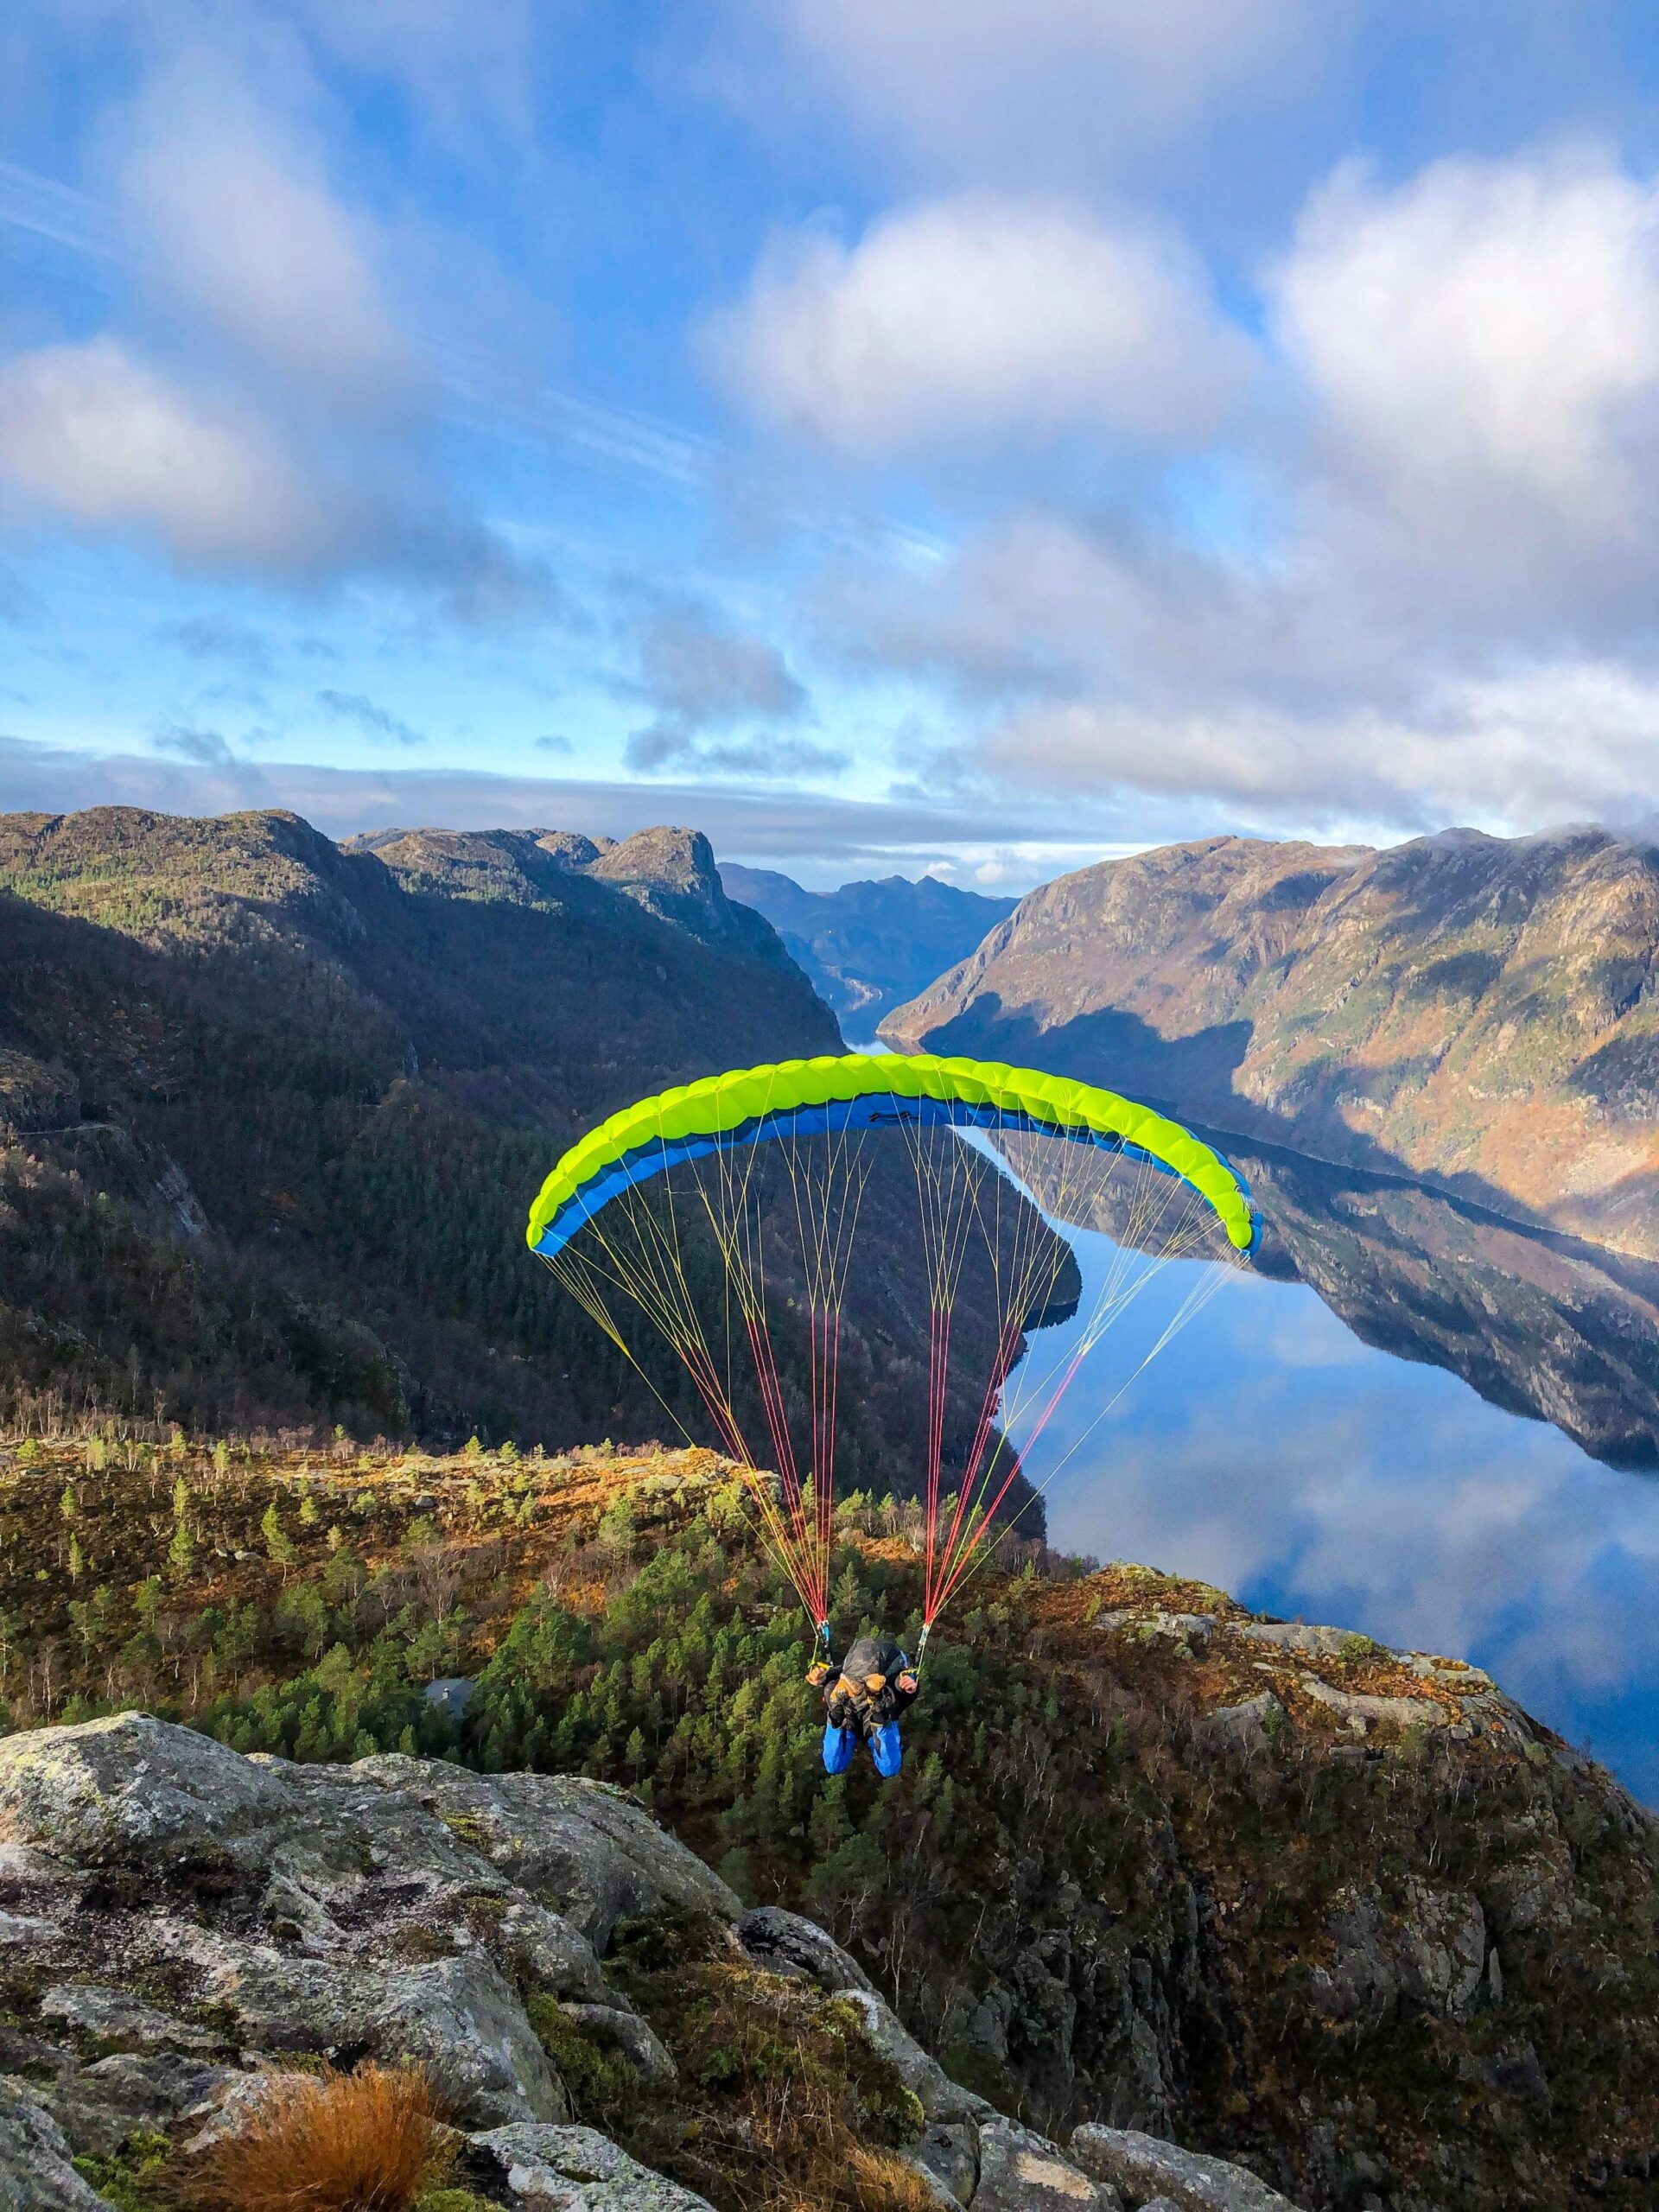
1270, 1450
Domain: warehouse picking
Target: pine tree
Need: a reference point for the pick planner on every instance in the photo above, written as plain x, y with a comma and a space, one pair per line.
828, 1827
278, 1542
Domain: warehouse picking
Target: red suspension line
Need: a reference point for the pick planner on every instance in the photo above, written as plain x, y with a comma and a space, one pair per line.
791, 1555
1008, 1344
811, 1580
825, 1335
959, 1570
939, 1358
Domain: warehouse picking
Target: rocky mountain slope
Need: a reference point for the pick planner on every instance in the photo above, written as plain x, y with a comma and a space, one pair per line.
868, 947
273, 1110
1344, 1915
1476, 1011
188, 1926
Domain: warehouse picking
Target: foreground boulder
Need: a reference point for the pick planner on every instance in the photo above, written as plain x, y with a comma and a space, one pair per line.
179, 1922
1150, 2172
37, 2171
570, 2169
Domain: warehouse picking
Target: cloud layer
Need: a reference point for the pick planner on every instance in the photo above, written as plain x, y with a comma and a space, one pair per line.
1414, 585
253, 404
1054, 83
1022, 412
804, 831
979, 318
109, 442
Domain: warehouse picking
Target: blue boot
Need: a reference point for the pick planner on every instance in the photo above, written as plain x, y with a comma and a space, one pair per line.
839, 1745
886, 1750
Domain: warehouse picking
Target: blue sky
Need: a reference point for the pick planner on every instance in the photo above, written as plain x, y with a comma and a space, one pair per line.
890, 433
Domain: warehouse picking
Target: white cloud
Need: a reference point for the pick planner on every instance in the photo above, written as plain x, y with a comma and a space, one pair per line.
982, 84
255, 406
1488, 331
807, 831
375, 721
236, 223
1548, 743
699, 676
93, 436
766, 759
471, 73
981, 318
1432, 598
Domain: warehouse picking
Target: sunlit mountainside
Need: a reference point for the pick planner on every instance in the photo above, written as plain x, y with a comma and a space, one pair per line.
1479, 1011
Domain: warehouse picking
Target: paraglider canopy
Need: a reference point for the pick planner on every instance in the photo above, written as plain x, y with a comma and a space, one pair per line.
865, 1090
995, 1153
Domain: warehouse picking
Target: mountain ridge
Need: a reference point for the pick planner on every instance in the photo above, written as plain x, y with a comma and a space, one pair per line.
869, 945
314, 1088
1478, 1012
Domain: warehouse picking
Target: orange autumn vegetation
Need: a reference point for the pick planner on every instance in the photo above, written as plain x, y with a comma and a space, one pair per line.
368, 2141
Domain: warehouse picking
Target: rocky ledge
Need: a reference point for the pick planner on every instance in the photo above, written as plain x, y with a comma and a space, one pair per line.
179, 1923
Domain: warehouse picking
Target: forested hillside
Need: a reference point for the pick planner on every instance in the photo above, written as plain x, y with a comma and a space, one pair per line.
272, 1111
1266, 1889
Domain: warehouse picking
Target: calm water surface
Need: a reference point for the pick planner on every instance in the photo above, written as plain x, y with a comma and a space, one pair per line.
1269, 1451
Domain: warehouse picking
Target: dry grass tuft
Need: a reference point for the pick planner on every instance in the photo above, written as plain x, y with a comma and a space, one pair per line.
363, 2142
883, 2182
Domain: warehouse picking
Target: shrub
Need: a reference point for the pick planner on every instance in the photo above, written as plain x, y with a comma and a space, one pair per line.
363, 2142
600, 2082
782, 2104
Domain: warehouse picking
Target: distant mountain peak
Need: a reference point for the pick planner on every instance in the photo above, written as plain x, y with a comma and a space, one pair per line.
872, 944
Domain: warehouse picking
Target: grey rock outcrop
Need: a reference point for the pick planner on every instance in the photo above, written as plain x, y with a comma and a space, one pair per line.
570, 2169
99, 2106
1428, 1952
1359, 1710
560, 1836
1022, 2173
948, 2157
773, 1934
785, 1943
199, 1923
195, 1914
1247, 1727
116, 2018
37, 2171
1316, 1641
1149, 2171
